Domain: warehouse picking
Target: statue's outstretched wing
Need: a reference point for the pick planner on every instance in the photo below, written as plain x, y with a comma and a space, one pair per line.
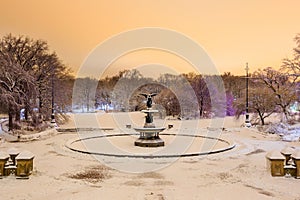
153, 94
144, 94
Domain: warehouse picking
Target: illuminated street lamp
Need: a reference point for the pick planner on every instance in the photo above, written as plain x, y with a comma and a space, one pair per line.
53, 122
247, 121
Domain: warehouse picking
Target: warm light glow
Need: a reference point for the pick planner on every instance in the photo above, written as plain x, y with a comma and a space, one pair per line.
232, 32
151, 63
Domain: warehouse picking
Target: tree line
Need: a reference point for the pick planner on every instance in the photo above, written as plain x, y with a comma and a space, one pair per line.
188, 95
34, 82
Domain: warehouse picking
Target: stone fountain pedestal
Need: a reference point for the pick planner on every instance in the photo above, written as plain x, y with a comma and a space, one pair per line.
149, 134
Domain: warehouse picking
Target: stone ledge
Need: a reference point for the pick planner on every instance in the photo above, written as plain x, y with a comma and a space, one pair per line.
82, 129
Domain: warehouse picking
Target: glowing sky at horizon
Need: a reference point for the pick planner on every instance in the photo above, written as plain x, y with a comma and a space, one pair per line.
232, 32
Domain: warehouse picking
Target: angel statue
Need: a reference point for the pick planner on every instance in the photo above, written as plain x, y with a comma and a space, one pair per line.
149, 98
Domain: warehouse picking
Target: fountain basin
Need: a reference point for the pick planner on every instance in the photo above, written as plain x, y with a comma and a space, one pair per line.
149, 111
154, 142
149, 137
150, 129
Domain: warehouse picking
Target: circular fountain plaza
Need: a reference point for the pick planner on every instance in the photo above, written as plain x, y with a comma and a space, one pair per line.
116, 146
122, 144
150, 140
185, 138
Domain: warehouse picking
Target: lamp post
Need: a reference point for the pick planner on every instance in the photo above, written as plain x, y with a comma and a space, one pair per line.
53, 123
247, 121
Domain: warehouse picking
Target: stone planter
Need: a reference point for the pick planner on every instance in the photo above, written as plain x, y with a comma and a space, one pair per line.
13, 153
24, 164
275, 162
296, 158
287, 152
3, 159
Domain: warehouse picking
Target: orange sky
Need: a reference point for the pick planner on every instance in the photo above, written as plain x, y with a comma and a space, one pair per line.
232, 32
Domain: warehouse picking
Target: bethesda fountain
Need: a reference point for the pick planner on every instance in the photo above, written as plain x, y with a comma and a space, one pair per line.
149, 134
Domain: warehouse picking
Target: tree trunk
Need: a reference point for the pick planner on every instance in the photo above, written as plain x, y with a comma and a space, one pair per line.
26, 113
201, 108
10, 120
285, 112
261, 116
88, 102
41, 105
17, 116
262, 119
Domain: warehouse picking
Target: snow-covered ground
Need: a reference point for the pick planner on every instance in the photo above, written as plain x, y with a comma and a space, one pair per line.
286, 132
240, 172
1, 121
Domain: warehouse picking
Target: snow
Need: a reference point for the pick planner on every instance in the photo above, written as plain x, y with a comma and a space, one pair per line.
286, 132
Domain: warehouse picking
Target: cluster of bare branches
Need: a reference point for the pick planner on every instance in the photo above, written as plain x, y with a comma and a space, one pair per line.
28, 71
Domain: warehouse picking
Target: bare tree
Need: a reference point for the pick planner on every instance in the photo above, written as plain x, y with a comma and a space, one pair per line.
128, 83
84, 93
15, 84
63, 89
104, 94
292, 66
261, 102
281, 85
297, 49
200, 88
169, 101
234, 84
180, 86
